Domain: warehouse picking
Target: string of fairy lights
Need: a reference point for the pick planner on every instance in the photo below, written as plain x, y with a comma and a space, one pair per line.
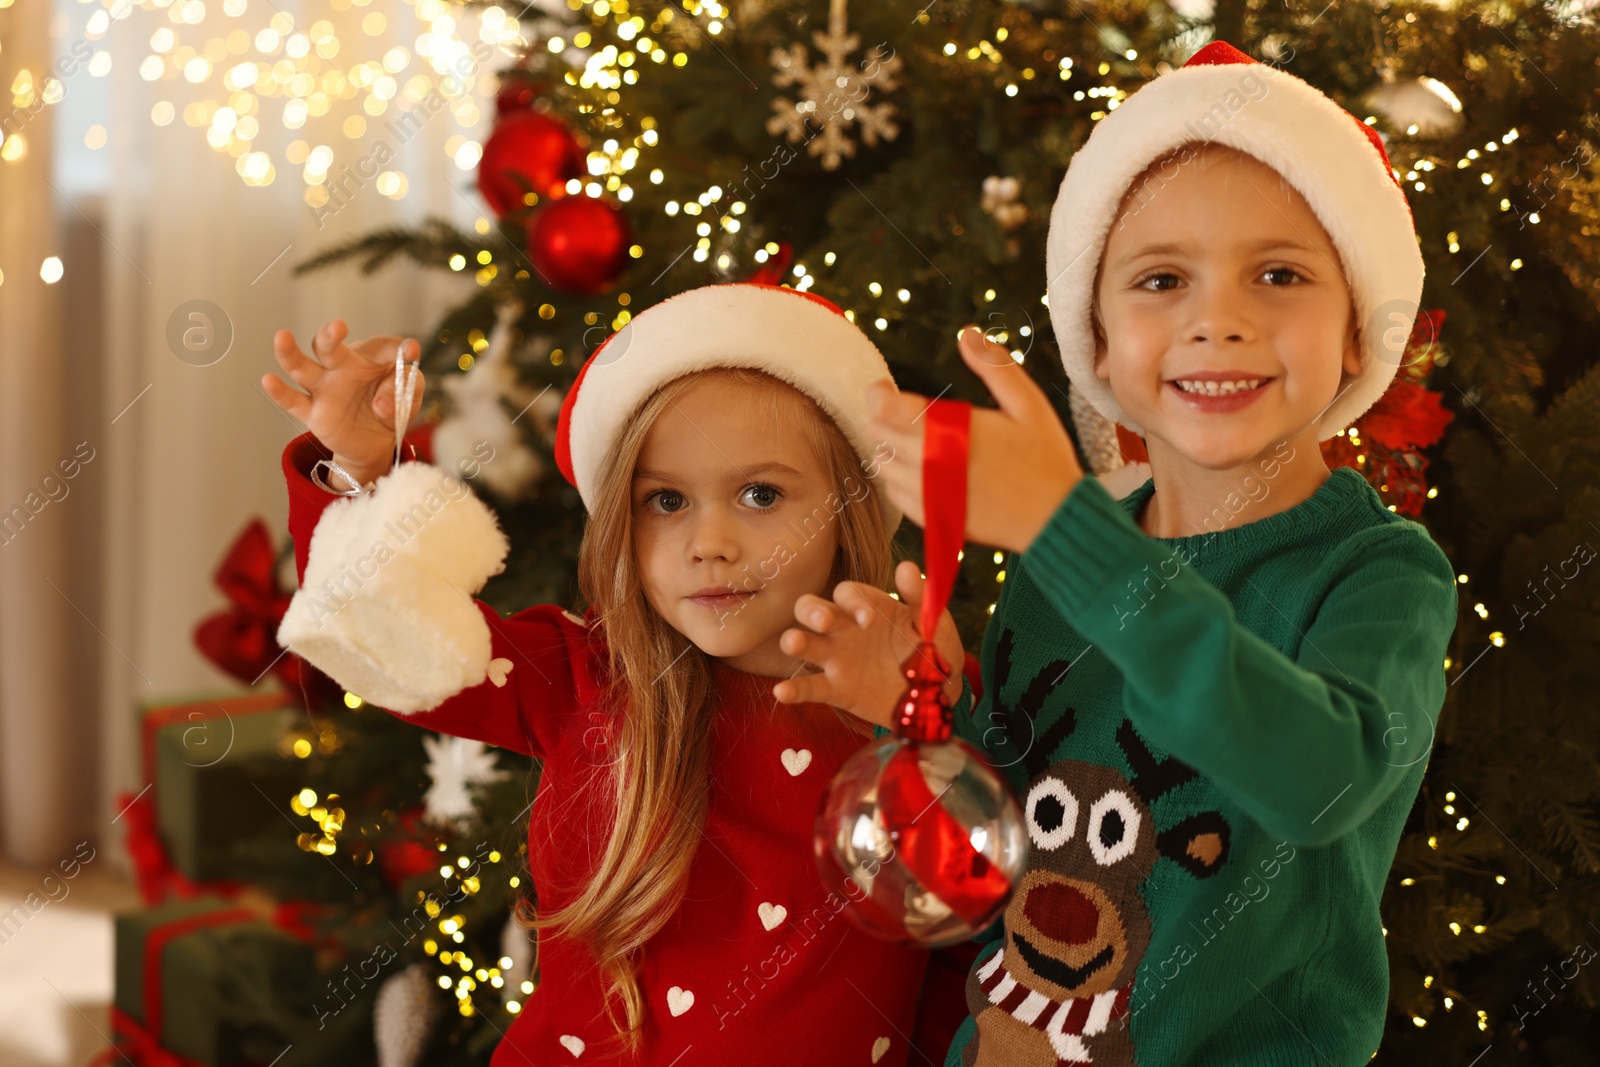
453, 928
460, 974
250, 63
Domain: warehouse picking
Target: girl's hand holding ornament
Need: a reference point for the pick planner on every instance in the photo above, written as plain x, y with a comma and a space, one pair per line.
858, 639
349, 400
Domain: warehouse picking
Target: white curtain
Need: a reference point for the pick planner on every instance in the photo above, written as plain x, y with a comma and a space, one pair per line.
103, 589
42, 533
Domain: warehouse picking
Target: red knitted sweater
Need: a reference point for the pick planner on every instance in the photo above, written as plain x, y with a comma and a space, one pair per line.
757, 965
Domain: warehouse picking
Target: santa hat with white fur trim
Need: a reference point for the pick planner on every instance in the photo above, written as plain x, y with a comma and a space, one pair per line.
796, 337
1333, 159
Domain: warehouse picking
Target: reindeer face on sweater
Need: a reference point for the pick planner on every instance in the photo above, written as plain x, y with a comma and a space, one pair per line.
1074, 924
1077, 926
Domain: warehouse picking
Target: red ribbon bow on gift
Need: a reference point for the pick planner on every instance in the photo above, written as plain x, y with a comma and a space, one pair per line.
243, 639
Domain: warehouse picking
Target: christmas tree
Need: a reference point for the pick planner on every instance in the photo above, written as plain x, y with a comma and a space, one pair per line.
901, 159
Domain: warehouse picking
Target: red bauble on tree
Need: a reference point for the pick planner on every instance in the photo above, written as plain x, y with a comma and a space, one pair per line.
527, 151
579, 244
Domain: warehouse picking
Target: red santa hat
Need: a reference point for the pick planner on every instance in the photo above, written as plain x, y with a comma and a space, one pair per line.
797, 337
1333, 159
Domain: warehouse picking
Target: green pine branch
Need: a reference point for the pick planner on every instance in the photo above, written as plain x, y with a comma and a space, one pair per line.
431, 244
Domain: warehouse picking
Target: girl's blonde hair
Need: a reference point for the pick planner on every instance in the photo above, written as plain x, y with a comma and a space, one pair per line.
660, 695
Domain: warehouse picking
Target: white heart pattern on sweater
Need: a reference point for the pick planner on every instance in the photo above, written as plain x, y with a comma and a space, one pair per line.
795, 762
879, 1047
771, 914
573, 1045
679, 1000
499, 667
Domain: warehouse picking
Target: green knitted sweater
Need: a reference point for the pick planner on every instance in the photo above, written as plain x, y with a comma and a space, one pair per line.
1216, 740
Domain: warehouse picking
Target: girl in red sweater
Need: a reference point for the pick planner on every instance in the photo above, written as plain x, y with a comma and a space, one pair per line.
719, 444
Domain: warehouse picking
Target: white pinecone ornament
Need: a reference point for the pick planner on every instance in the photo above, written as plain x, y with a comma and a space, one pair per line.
408, 1009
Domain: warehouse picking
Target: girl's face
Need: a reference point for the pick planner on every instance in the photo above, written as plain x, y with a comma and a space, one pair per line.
728, 499
1217, 265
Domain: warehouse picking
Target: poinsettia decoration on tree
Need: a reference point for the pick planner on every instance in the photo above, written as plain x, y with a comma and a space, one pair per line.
1386, 443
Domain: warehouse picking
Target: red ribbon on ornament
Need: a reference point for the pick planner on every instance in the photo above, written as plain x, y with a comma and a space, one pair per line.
932, 844
944, 504
924, 714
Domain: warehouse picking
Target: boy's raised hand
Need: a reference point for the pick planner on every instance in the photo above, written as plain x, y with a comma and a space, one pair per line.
860, 639
1021, 463
349, 400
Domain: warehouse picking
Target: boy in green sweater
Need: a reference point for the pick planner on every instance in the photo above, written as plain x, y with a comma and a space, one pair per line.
1215, 697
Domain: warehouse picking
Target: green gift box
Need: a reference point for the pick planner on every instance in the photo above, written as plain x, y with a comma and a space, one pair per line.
221, 773
199, 979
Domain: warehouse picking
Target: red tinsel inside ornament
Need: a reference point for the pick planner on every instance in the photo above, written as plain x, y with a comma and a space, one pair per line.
935, 845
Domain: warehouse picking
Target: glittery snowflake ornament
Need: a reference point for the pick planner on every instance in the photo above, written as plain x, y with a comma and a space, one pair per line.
833, 95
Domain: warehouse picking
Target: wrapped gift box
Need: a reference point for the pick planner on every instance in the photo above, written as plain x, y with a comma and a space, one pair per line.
222, 774
197, 980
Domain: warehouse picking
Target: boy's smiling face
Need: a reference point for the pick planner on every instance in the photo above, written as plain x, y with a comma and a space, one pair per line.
1217, 268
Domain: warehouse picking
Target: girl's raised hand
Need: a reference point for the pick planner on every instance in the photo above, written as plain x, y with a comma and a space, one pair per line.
349, 400
860, 639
